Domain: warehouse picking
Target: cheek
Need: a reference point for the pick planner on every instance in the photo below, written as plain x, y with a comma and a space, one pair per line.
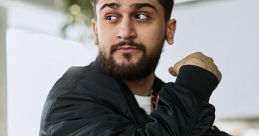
151, 36
105, 39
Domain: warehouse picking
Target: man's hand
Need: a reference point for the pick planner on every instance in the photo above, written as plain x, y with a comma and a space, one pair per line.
197, 59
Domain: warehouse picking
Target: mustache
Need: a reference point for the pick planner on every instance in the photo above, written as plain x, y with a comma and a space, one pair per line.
129, 43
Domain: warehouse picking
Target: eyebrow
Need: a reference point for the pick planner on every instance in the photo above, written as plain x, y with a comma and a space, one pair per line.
135, 6
142, 5
110, 5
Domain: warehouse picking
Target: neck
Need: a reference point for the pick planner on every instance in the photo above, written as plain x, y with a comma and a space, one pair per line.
141, 87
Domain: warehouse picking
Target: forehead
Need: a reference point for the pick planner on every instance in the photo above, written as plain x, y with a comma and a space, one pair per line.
124, 4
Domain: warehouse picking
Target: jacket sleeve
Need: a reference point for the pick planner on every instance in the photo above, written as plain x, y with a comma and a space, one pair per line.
180, 112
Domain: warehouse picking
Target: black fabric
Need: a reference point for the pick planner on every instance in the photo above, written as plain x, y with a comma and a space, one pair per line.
88, 102
200, 81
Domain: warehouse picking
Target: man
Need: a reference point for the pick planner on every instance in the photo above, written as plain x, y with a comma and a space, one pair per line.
119, 94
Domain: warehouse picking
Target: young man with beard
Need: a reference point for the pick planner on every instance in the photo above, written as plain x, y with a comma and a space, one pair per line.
119, 94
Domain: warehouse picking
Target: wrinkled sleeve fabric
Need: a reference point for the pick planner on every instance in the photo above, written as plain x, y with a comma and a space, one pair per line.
180, 110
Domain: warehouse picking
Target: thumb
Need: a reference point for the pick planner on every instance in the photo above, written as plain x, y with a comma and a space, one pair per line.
172, 71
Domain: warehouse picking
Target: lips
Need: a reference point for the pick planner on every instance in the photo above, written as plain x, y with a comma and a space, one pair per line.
127, 47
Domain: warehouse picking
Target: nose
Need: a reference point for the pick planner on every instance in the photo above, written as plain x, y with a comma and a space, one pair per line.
126, 29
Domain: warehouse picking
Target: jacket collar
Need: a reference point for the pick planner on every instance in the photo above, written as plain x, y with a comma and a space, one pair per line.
140, 116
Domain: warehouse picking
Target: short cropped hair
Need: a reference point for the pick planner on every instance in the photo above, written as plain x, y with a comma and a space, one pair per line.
167, 5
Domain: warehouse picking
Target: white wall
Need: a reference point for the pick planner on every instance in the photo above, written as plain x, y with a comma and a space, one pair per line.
35, 62
3, 89
227, 30
36, 58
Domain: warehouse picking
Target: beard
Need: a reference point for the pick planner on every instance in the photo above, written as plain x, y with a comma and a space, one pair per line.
145, 65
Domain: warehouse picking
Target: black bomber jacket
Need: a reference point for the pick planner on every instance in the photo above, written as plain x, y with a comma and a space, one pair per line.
86, 101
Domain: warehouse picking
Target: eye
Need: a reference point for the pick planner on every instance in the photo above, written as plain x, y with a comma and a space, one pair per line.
142, 16
111, 18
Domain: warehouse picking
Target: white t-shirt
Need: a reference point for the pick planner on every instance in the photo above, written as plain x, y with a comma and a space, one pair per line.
144, 102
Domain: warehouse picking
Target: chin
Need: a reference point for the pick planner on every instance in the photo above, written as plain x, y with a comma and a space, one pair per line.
127, 61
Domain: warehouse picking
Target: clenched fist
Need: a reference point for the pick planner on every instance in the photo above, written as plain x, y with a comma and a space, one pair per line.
197, 59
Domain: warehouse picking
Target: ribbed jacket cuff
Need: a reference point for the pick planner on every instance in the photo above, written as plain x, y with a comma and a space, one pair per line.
200, 81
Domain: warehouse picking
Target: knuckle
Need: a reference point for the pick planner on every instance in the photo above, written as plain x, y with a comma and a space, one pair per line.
198, 53
210, 59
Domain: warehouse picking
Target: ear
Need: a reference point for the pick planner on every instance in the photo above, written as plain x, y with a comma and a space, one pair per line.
170, 31
94, 31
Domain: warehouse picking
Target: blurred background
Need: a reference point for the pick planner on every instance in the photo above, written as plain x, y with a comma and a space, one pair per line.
41, 39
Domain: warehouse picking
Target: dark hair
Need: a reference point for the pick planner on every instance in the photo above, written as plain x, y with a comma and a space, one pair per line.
167, 4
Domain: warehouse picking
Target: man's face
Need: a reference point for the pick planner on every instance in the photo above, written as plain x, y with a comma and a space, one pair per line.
130, 35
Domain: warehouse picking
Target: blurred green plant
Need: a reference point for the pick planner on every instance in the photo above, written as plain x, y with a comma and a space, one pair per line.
79, 12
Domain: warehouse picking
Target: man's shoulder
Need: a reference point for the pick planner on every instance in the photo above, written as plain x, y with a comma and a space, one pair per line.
86, 81
79, 92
